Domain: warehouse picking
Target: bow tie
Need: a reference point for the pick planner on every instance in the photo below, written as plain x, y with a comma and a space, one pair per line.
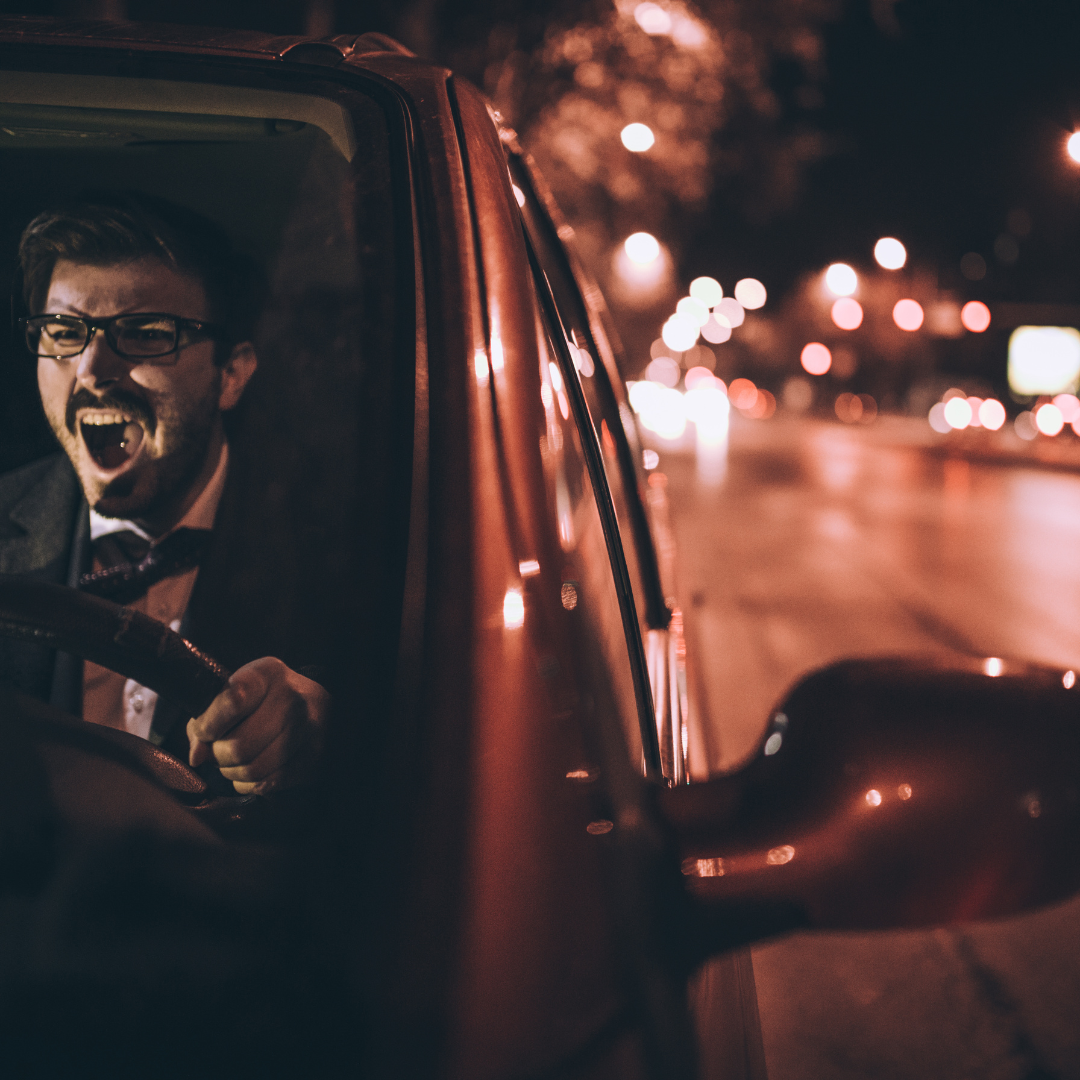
133, 564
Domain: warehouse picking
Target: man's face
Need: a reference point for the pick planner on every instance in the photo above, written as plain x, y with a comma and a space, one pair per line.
138, 434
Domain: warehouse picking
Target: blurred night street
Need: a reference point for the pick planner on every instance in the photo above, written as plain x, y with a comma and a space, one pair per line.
811, 541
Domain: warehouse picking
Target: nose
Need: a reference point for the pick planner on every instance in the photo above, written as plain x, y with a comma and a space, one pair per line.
98, 366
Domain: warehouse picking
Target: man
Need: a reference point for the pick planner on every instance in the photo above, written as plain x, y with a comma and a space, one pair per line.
139, 324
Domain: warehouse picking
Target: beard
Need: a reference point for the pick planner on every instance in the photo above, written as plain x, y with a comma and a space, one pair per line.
158, 483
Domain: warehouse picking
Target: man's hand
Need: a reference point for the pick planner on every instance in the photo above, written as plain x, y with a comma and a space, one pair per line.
264, 729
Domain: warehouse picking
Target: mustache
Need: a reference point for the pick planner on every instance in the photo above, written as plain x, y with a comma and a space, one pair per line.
120, 400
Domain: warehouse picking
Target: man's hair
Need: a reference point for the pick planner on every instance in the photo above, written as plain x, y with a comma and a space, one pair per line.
108, 227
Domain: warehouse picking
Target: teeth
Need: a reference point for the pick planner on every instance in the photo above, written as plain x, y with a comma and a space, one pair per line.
102, 419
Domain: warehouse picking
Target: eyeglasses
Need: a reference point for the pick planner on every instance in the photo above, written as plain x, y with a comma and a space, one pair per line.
149, 337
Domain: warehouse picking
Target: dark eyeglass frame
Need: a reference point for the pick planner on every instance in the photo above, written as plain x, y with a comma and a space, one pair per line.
193, 329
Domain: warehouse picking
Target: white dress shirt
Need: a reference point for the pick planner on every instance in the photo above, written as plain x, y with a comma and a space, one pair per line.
109, 698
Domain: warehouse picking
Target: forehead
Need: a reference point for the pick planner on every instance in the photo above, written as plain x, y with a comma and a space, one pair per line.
145, 284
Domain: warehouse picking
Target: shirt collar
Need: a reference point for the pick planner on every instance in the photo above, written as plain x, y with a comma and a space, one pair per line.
200, 515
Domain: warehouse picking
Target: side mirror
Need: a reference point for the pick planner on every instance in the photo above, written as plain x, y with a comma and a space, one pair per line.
890, 793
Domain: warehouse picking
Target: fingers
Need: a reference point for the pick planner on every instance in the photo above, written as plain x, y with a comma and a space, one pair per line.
263, 729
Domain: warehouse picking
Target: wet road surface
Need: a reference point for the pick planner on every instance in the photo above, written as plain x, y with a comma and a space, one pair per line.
806, 542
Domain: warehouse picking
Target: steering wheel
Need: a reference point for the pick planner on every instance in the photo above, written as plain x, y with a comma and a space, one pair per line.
139, 648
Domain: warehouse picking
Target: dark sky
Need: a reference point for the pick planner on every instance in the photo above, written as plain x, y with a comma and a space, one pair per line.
943, 116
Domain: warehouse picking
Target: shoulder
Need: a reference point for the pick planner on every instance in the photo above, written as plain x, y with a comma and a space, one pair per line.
49, 483
38, 504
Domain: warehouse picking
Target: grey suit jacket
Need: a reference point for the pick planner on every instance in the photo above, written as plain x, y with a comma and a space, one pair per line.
44, 530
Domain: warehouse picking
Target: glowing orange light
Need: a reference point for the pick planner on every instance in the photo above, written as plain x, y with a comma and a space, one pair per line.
993, 666
1048, 419
908, 314
890, 253
1073, 146
904, 792
1068, 680
703, 867
480, 367
847, 313
637, 138
975, 316
991, 414
513, 609
873, 797
763, 407
815, 358
528, 568
743, 393
652, 18
642, 248
780, 855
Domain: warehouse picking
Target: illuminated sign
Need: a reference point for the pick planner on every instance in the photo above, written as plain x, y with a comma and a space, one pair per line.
1044, 360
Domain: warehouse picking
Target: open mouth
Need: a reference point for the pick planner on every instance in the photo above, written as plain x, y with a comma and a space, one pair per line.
112, 439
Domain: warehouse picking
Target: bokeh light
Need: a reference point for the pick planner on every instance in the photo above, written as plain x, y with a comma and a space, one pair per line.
815, 358
992, 414
1073, 146
680, 332
652, 18
1024, 426
890, 253
958, 413
717, 330
707, 291
659, 408
642, 248
975, 316
743, 393
700, 375
1069, 404
694, 310
847, 313
937, 419
730, 309
841, 280
1048, 419
665, 371
637, 137
975, 403
908, 314
750, 293
1044, 359
513, 609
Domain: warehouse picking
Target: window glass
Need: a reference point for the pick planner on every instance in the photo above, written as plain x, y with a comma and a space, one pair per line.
588, 571
311, 528
613, 422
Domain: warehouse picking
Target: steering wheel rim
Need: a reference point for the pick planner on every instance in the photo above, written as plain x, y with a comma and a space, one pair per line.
119, 638
137, 647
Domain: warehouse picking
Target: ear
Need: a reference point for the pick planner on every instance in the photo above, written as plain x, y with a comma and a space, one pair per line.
236, 373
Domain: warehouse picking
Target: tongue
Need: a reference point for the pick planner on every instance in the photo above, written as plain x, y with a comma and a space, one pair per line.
111, 445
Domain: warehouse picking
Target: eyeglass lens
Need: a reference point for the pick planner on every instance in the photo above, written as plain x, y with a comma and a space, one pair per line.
128, 335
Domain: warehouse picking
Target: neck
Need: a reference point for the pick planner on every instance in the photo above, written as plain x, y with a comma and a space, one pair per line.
170, 516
